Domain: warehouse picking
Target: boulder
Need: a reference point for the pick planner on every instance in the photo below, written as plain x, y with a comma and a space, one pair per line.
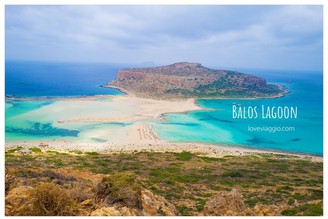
154, 205
265, 210
151, 205
226, 204
86, 203
115, 211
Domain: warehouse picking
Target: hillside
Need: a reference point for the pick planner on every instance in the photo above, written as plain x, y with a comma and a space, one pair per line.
185, 80
51, 183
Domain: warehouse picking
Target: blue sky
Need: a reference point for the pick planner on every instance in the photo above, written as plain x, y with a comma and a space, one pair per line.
267, 37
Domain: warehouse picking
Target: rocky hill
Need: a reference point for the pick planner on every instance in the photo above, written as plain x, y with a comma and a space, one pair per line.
184, 80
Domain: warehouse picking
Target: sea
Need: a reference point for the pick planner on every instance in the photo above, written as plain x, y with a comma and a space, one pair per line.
213, 125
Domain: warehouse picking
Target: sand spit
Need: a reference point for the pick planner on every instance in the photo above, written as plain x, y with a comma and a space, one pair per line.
132, 109
121, 108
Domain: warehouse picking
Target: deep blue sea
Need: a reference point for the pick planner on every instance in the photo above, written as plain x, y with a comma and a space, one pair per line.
214, 124
47, 79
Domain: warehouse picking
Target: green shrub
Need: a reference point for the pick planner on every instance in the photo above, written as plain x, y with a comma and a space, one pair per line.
14, 149
103, 170
312, 209
232, 174
316, 194
49, 199
291, 201
184, 210
120, 188
184, 156
304, 210
35, 150
76, 152
216, 188
200, 204
226, 182
93, 153
300, 197
211, 159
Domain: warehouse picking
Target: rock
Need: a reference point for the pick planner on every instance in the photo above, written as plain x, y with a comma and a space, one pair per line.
115, 211
25, 151
151, 205
154, 205
43, 145
87, 203
265, 210
17, 198
226, 204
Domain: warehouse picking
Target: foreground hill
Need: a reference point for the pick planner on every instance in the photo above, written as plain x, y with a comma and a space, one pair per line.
53, 183
185, 80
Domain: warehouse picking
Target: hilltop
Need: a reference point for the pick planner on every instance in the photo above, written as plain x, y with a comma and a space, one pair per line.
192, 80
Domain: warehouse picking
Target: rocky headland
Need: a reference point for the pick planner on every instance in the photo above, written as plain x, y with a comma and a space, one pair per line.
192, 80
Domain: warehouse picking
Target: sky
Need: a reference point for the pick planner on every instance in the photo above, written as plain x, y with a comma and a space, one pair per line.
262, 37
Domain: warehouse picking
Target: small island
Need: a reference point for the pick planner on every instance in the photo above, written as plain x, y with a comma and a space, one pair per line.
192, 80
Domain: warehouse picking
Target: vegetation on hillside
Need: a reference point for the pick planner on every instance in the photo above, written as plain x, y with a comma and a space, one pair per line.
285, 184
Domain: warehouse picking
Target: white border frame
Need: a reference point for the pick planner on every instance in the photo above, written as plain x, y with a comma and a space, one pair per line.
3, 3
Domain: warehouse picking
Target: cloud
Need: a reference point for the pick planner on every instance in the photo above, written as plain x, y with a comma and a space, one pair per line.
233, 36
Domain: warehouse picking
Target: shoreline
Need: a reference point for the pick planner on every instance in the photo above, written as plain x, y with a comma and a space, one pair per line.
283, 93
64, 98
208, 150
100, 96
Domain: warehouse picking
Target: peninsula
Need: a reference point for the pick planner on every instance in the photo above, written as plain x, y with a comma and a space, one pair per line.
192, 80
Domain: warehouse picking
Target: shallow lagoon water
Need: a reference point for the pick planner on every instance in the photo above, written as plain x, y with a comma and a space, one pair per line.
41, 121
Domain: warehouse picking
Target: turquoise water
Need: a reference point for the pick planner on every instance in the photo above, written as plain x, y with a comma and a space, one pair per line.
38, 120
31, 120
27, 129
218, 125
